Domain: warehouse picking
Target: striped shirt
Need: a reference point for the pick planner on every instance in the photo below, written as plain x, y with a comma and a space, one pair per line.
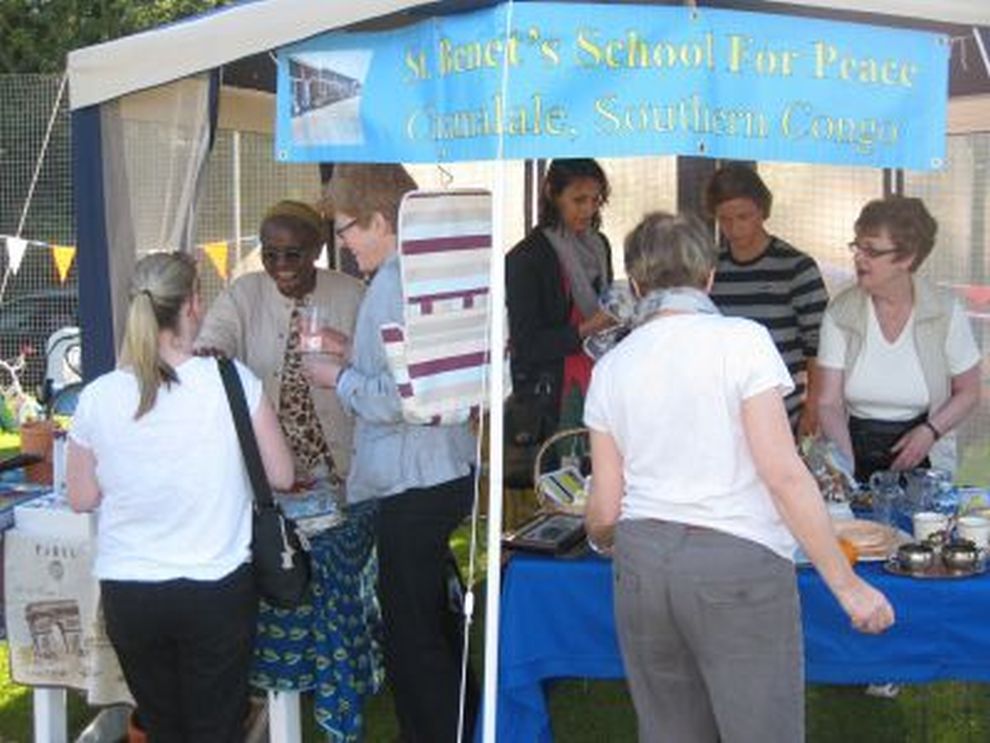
782, 290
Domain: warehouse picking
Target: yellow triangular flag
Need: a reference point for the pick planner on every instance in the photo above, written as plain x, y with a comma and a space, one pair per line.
217, 253
63, 255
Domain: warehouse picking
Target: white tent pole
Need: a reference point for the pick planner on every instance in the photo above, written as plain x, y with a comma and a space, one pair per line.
495, 425
235, 176
493, 580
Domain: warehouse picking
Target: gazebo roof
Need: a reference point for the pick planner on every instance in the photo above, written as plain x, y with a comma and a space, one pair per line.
106, 71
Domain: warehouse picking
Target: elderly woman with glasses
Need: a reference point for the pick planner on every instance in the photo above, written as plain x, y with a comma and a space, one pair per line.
900, 366
703, 525
328, 644
421, 475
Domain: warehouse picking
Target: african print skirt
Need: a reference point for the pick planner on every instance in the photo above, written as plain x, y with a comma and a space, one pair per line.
331, 643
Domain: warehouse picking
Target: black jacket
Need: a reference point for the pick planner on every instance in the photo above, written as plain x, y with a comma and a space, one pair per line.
539, 333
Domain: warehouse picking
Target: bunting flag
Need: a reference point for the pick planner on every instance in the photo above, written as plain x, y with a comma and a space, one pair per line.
63, 255
217, 253
15, 252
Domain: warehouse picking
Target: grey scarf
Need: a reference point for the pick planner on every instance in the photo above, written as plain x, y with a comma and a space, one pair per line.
583, 260
680, 298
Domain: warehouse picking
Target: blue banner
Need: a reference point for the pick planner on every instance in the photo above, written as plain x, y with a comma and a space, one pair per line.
555, 80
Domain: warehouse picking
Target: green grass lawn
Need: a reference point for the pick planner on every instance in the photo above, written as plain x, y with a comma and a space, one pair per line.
600, 711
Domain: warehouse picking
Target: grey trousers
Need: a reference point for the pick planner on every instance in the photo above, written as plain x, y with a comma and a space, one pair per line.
710, 632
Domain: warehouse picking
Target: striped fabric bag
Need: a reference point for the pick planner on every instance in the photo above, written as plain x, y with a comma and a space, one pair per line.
439, 356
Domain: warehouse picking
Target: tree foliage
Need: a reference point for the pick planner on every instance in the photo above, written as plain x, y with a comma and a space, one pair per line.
36, 35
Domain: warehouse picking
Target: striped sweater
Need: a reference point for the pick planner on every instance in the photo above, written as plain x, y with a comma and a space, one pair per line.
783, 291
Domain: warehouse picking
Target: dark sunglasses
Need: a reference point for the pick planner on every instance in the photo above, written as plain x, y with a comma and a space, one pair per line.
289, 254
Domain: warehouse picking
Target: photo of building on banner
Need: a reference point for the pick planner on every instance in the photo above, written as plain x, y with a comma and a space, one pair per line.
620, 80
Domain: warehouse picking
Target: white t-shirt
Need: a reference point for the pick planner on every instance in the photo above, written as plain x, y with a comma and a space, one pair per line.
887, 382
671, 395
176, 498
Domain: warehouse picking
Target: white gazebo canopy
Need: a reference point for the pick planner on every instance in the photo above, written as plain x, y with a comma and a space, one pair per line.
106, 71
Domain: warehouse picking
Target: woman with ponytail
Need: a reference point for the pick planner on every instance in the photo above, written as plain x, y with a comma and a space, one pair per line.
153, 445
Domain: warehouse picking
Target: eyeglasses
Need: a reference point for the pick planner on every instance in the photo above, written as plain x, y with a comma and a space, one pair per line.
339, 231
293, 254
856, 247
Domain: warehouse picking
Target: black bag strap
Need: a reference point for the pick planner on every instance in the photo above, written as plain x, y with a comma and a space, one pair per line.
245, 432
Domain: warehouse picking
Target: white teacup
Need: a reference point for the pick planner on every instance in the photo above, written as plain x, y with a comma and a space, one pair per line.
927, 523
976, 529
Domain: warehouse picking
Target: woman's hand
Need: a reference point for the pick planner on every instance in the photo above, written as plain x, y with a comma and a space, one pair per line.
912, 447
832, 418
598, 322
604, 502
808, 422
322, 370
335, 343
915, 445
802, 509
868, 609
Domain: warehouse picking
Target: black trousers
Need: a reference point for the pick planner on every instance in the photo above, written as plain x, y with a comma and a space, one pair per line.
422, 636
185, 648
871, 442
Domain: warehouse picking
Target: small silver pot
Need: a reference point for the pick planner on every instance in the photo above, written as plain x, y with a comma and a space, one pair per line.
962, 555
915, 557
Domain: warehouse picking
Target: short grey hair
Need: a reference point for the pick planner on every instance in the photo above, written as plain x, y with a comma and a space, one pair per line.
666, 250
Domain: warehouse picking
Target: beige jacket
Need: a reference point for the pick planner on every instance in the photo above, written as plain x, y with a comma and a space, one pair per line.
250, 322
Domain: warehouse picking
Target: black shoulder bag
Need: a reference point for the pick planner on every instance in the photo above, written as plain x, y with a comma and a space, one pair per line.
280, 553
530, 418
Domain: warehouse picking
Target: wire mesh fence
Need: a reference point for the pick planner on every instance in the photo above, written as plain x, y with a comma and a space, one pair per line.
814, 209
959, 198
242, 180
38, 289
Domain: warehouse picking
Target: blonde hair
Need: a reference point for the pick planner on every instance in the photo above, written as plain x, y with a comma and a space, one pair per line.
665, 251
364, 189
161, 284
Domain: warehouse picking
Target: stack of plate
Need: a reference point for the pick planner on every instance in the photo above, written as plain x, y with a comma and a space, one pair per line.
873, 541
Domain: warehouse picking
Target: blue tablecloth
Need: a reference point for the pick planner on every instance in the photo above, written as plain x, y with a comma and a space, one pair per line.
556, 621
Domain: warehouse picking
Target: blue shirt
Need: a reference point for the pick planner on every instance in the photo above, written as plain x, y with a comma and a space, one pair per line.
390, 455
